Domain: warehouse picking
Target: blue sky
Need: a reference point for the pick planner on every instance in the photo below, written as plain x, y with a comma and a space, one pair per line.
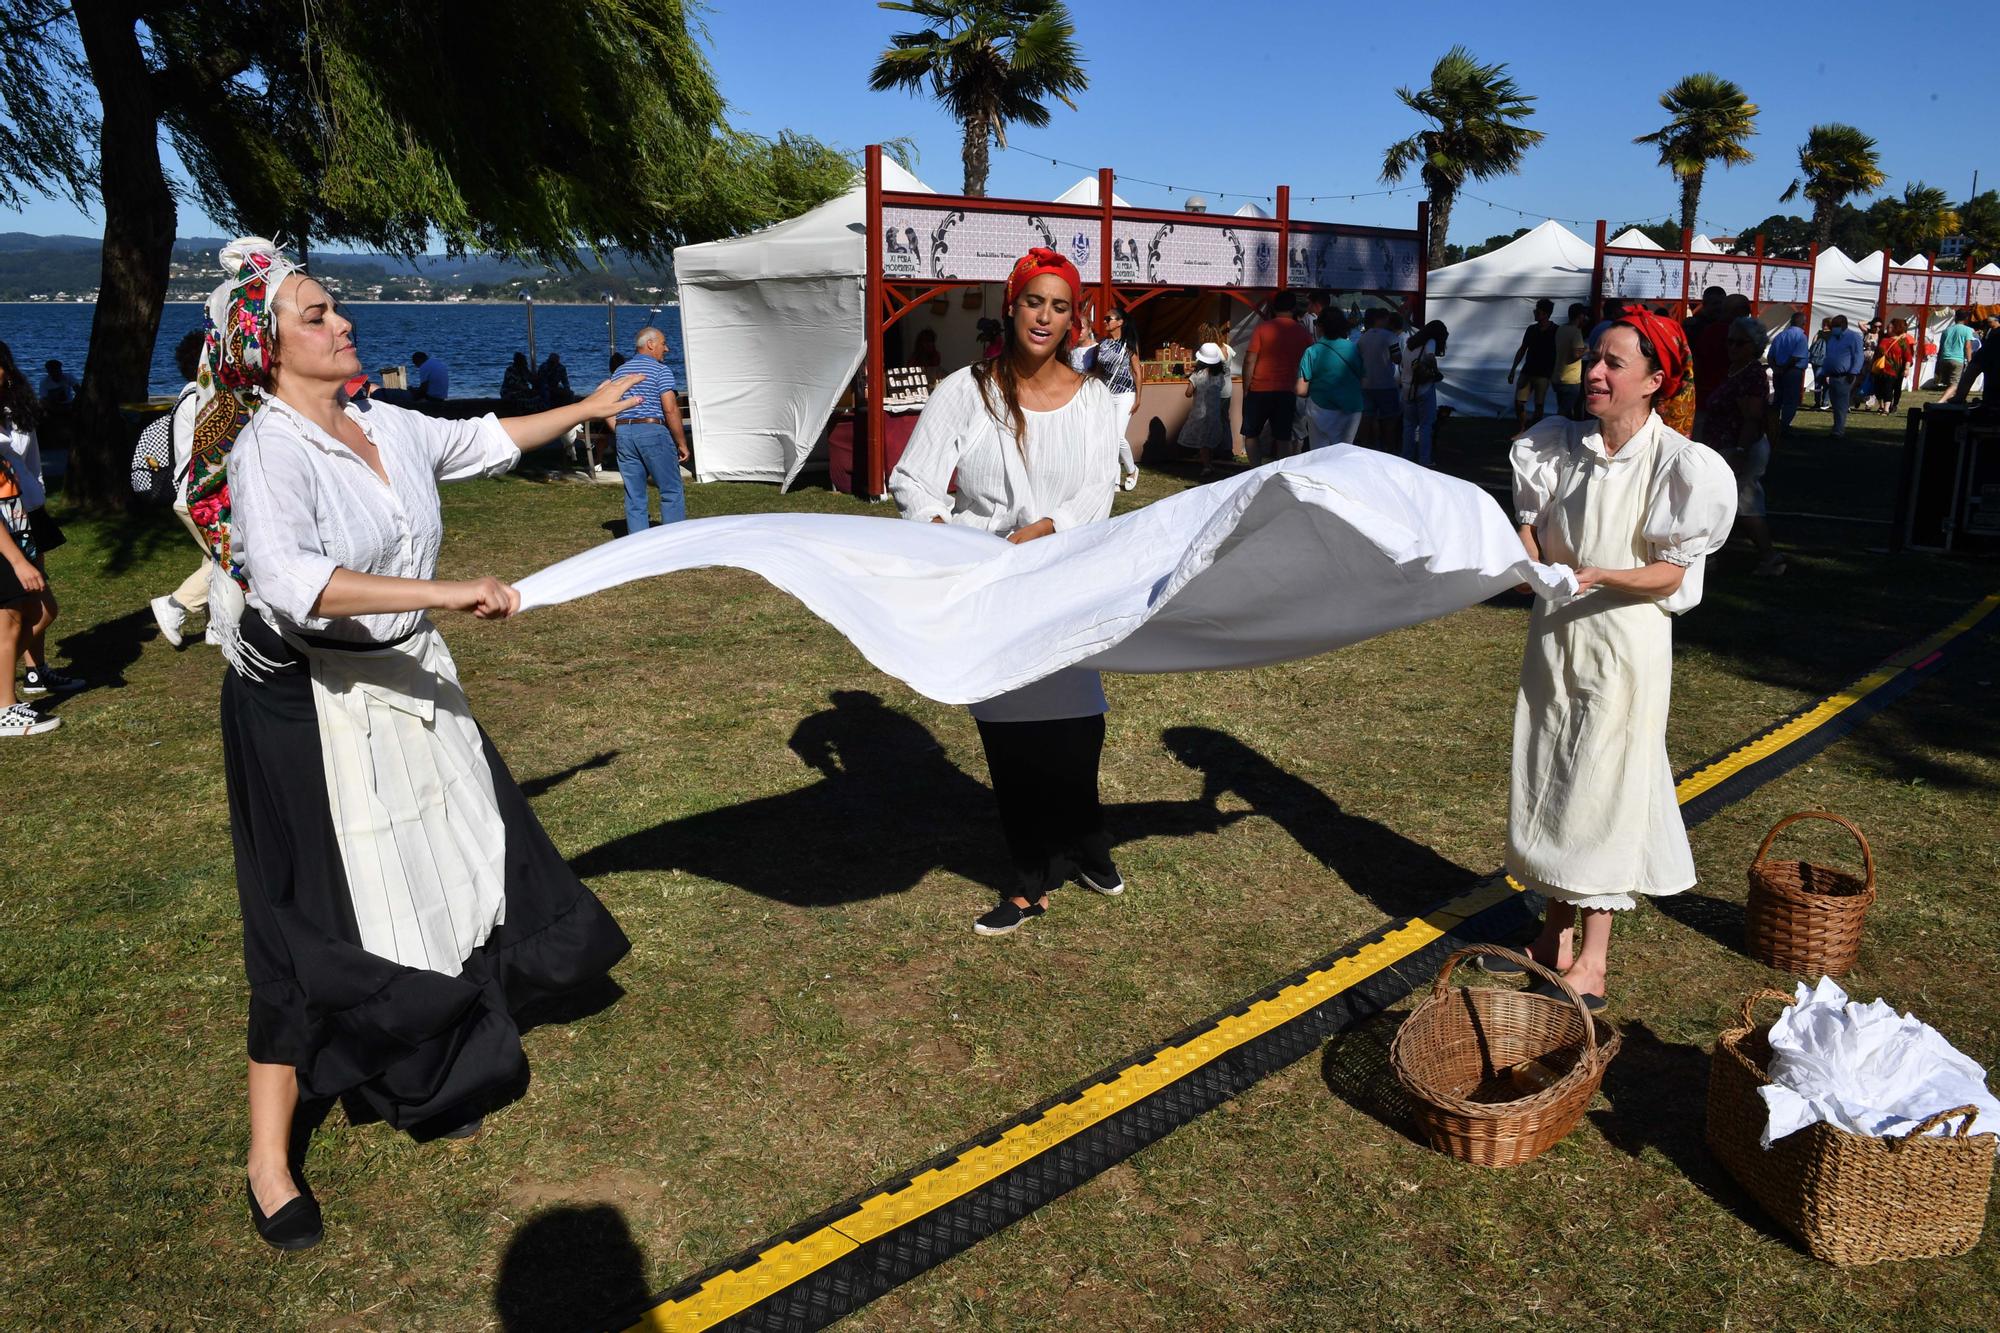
1236, 97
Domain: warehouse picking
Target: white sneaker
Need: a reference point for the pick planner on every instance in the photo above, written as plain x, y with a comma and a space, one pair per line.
22, 720
209, 636
169, 618
1131, 482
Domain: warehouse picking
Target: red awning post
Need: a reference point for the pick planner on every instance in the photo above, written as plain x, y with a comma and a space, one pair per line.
1812, 284
1107, 295
1597, 292
1284, 237
1687, 268
1923, 323
1423, 258
874, 448
1757, 278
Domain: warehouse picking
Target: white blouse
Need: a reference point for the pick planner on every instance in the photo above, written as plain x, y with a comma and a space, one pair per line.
27, 460
303, 504
1689, 498
1068, 475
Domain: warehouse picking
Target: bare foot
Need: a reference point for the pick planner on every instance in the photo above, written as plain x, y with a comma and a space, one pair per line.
273, 1186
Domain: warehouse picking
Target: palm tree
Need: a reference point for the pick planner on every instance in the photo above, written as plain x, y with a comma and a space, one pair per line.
990, 62
1475, 111
1923, 217
1836, 162
1711, 119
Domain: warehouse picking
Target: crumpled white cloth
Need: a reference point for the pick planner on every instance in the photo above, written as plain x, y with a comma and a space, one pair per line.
1866, 1070
1288, 560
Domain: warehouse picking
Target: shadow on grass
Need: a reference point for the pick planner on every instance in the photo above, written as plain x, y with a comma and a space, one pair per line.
570, 1268
890, 807
101, 652
1658, 1092
1717, 918
1399, 876
534, 787
1355, 1067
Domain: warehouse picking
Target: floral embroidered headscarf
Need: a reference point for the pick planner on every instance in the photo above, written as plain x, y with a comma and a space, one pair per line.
235, 374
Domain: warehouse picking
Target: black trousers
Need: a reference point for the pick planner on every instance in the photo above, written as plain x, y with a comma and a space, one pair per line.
1045, 779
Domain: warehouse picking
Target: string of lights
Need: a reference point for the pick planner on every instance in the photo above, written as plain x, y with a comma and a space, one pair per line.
1175, 187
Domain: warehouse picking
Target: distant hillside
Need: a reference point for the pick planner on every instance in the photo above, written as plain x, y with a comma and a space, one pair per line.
66, 267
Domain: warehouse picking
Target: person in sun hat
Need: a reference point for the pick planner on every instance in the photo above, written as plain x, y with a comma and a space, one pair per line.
1635, 508
400, 903
1033, 446
1207, 426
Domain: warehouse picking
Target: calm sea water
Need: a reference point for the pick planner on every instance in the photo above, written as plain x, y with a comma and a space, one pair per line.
476, 341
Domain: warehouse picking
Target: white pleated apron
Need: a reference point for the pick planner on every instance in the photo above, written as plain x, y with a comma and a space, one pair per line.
412, 800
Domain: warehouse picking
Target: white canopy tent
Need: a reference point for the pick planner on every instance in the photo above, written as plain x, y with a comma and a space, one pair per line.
772, 334
1083, 192
1250, 208
1489, 301
1633, 239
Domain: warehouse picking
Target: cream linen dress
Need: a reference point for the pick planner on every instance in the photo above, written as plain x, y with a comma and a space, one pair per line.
1592, 817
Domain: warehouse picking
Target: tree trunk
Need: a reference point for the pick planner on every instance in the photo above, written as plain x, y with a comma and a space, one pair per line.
1442, 198
139, 220
978, 140
1823, 223
1690, 201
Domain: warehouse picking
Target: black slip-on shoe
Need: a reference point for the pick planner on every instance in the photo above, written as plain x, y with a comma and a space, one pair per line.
296, 1226
1006, 918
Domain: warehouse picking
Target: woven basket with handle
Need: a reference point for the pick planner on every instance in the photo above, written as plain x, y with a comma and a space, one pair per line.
1496, 1077
1804, 918
1850, 1198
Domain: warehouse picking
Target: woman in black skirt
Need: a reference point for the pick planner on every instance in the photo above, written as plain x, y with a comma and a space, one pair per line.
1022, 446
400, 902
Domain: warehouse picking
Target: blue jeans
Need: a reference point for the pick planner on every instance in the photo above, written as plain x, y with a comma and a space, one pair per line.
1419, 420
648, 451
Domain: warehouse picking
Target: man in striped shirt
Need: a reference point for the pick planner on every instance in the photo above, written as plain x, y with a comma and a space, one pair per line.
651, 442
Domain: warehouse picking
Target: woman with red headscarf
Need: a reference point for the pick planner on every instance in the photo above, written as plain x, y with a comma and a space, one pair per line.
1034, 446
1635, 508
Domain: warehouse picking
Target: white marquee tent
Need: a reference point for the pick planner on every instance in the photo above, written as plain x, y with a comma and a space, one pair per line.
788, 298
1488, 301
1085, 192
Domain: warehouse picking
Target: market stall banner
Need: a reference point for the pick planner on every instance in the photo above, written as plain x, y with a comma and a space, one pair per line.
1786, 285
1647, 277
969, 245
1342, 262
1190, 253
1948, 289
1738, 277
1906, 288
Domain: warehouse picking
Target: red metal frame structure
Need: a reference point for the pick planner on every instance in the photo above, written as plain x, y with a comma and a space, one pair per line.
1652, 275
1126, 257
1927, 289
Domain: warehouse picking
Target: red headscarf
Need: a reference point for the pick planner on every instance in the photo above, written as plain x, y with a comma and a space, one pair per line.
1038, 261
1669, 342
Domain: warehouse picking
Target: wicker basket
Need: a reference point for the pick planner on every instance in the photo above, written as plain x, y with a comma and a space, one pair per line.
1850, 1198
1803, 918
1495, 1076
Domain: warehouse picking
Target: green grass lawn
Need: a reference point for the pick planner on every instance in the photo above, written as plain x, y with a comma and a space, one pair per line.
797, 846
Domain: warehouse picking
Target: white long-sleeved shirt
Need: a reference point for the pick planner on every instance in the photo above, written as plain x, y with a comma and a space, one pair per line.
303, 504
1068, 475
26, 451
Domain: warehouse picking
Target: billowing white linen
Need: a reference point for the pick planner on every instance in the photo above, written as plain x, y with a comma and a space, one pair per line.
1288, 560
1863, 1069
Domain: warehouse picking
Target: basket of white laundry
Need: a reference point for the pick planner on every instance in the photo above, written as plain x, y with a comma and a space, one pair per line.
1851, 1198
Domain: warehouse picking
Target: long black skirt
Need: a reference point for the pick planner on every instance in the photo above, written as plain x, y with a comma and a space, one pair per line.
416, 1048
